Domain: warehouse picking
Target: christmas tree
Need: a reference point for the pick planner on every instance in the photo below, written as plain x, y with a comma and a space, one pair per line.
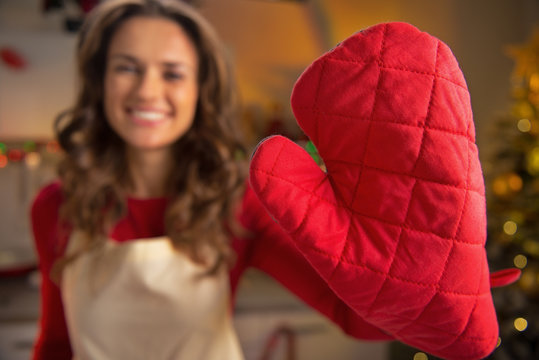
513, 209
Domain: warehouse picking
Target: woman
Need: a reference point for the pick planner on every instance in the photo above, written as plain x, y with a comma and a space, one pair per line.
145, 235
151, 159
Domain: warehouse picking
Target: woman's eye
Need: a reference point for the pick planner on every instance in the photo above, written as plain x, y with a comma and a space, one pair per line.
122, 68
173, 75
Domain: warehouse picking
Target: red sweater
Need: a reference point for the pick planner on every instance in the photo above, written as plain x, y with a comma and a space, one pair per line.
270, 250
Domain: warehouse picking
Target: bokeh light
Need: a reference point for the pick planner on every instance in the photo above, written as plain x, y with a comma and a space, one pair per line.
521, 324
533, 161
3, 161
524, 125
32, 159
510, 227
420, 356
520, 261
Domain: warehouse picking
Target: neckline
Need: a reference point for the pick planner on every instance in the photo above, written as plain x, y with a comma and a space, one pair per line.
134, 199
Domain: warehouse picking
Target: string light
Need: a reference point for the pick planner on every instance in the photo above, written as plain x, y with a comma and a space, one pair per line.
520, 324
533, 161
3, 161
524, 125
510, 227
29, 146
521, 156
505, 184
15, 155
499, 342
534, 82
520, 261
32, 159
53, 146
420, 356
500, 186
29, 152
515, 182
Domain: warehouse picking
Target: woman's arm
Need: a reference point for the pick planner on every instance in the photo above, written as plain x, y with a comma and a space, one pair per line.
274, 252
53, 339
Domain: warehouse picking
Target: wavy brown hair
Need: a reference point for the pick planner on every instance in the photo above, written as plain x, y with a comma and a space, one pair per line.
207, 178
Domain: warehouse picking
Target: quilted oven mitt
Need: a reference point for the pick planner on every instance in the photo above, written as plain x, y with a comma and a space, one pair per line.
397, 225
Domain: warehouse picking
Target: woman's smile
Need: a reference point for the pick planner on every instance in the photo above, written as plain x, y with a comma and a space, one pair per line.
148, 117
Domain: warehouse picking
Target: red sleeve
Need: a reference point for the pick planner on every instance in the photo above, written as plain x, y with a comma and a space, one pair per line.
272, 251
53, 340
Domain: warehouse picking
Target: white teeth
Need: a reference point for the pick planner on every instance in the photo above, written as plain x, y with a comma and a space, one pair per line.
148, 115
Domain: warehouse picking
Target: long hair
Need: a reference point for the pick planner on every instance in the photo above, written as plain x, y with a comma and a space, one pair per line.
206, 180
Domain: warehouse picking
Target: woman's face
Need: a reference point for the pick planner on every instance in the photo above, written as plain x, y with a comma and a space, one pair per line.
151, 87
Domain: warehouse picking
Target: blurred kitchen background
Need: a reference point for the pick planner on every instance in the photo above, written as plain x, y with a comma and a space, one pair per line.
270, 42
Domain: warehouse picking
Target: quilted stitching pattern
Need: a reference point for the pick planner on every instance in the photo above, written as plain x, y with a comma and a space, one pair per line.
397, 226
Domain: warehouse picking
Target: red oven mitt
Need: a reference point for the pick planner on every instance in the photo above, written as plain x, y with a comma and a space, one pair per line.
397, 225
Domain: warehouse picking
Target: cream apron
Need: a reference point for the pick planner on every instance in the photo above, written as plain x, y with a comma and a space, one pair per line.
144, 300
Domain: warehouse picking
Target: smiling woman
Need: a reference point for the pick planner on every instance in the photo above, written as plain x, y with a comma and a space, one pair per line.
150, 150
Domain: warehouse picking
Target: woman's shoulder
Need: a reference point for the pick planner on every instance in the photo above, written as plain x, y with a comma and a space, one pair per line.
45, 208
48, 199
50, 191
45, 222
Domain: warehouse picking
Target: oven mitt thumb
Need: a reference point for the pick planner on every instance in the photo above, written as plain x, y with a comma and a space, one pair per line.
397, 224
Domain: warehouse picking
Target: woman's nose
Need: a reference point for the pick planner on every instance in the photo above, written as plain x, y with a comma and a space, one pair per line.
150, 85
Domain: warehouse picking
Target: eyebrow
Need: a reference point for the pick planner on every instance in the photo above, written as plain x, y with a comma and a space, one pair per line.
165, 63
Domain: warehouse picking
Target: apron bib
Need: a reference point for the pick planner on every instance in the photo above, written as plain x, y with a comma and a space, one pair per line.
142, 299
